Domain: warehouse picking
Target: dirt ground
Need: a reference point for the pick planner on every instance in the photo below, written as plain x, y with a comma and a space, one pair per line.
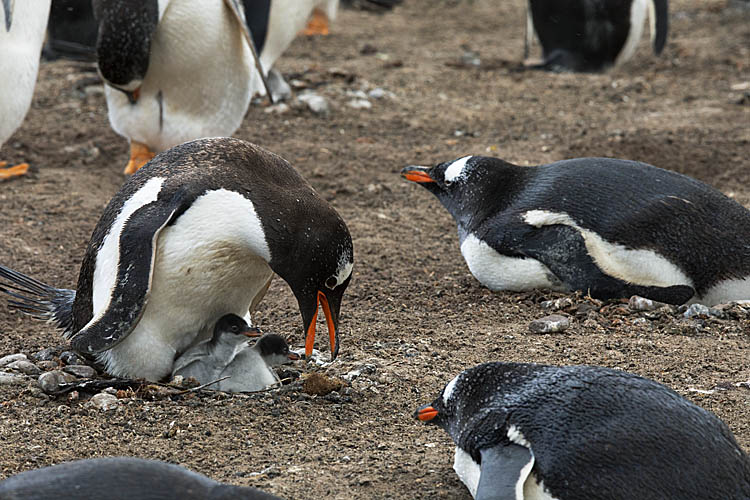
413, 316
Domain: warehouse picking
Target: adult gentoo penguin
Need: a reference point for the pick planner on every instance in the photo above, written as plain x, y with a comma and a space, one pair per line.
612, 228
592, 35
121, 478
22, 25
196, 235
533, 432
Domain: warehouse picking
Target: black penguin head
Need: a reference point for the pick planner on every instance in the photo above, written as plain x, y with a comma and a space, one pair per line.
233, 325
274, 350
443, 408
123, 45
467, 187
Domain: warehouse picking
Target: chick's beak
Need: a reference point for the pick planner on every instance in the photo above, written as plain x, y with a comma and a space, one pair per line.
416, 174
252, 332
293, 356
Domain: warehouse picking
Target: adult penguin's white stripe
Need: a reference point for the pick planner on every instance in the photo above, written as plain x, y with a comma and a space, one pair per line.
448, 391
637, 18
108, 256
456, 169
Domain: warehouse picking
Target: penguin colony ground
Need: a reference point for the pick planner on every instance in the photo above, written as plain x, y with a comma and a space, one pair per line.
465, 349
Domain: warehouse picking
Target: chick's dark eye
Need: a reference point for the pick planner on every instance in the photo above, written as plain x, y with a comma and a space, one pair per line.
332, 282
235, 329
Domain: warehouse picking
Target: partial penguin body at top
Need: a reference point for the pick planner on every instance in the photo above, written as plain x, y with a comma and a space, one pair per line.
22, 28
611, 228
121, 478
179, 70
229, 359
534, 432
197, 234
593, 35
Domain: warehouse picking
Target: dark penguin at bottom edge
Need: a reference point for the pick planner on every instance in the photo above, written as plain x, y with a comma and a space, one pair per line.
611, 228
121, 478
536, 432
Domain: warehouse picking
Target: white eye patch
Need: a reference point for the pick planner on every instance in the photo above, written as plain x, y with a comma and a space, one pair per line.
456, 169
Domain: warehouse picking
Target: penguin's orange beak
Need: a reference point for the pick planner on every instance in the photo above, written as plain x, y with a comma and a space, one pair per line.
331, 321
416, 174
427, 413
293, 356
253, 333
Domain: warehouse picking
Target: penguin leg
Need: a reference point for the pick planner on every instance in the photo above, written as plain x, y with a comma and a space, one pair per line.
140, 154
317, 24
14, 171
563, 250
503, 472
135, 268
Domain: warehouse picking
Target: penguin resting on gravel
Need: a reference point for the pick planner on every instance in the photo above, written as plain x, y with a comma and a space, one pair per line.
22, 27
228, 354
196, 235
610, 228
533, 432
121, 478
593, 35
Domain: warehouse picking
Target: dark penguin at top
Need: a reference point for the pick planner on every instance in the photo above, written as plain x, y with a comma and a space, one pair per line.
121, 478
610, 228
196, 235
593, 35
533, 432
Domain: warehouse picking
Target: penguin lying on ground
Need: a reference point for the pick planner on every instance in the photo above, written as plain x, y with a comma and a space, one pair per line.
228, 354
22, 26
195, 235
592, 35
121, 478
611, 228
525, 431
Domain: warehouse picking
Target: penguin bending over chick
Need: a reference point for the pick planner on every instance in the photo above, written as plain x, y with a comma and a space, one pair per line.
593, 35
533, 432
610, 228
22, 27
121, 478
197, 234
228, 354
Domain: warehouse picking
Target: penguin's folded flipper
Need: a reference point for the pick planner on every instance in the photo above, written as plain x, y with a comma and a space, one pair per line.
503, 471
563, 250
135, 269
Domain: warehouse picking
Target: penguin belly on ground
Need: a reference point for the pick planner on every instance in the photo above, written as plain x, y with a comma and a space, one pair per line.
610, 228
197, 234
121, 478
593, 35
533, 432
22, 27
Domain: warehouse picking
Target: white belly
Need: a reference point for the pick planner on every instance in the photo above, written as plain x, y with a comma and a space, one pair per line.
204, 70
500, 272
20, 49
637, 18
726, 291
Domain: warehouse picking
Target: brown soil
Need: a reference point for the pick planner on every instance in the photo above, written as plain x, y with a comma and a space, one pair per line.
413, 312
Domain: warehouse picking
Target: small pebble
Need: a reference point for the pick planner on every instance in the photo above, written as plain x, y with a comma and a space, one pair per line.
277, 109
103, 401
316, 103
7, 378
50, 382
45, 354
359, 104
696, 310
24, 366
81, 371
6, 360
553, 323
71, 358
557, 304
640, 322
47, 365
379, 93
637, 303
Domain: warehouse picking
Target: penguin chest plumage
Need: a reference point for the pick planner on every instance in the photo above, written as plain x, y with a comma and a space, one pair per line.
199, 82
212, 261
22, 28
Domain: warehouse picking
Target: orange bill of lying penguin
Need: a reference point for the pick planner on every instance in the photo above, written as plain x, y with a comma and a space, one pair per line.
195, 235
611, 228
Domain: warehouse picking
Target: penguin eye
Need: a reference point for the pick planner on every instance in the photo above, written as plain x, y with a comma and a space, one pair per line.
332, 282
447, 183
234, 329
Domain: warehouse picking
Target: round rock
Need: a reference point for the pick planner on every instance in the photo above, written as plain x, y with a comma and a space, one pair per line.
7, 378
6, 360
553, 323
104, 401
24, 366
50, 382
81, 371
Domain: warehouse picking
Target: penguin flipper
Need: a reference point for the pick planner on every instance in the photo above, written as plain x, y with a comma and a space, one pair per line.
563, 250
503, 471
135, 270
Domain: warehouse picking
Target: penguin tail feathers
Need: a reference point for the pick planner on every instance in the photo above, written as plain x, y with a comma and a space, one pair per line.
659, 22
32, 297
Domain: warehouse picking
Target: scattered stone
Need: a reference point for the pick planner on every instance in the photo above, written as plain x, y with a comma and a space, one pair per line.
553, 323
103, 401
71, 358
110, 390
7, 378
357, 94
696, 310
637, 303
277, 109
50, 382
81, 371
317, 384
24, 366
471, 58
47, 365
46, 354
359, 104
368, 50
640, 322
379, 93
557, 304
6, 360
316, 103
73, 396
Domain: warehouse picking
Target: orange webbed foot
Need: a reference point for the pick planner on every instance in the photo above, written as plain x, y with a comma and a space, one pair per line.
318, 24
140, 154
14, 171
